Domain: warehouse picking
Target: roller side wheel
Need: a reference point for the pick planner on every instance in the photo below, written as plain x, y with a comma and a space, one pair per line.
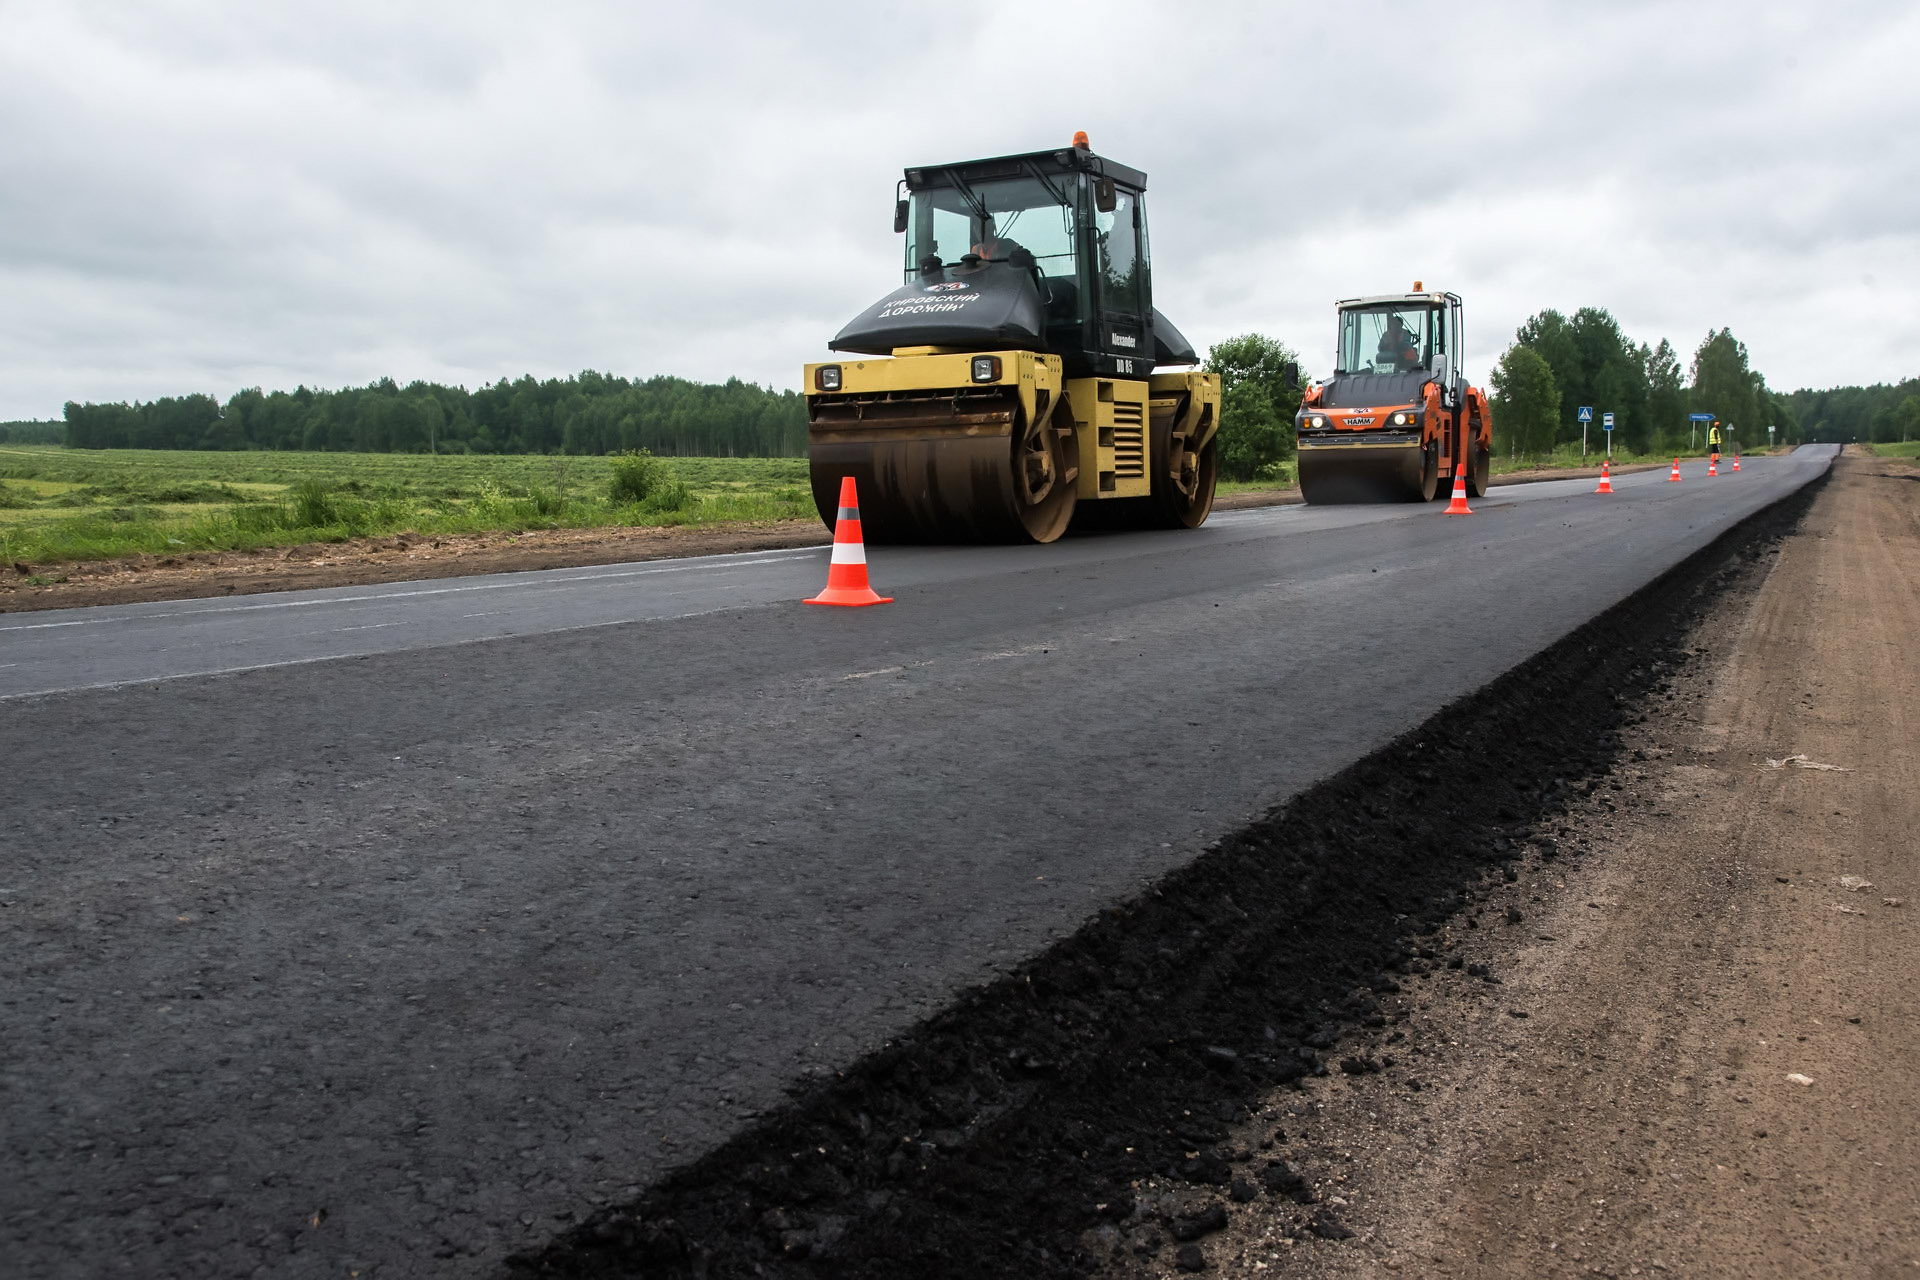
1182, 504
1479, 472
1045, 475
1429, 482
1182, 495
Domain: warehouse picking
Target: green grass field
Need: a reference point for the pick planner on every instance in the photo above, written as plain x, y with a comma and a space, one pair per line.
1568, 455
68, 504
83, 504
1911, 449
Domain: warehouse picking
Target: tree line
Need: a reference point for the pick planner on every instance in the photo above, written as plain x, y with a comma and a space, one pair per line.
33, 432
588, 413
1555, 364
1882, 413
1558, 363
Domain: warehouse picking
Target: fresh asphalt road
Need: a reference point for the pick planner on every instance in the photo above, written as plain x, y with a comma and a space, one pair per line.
389, 928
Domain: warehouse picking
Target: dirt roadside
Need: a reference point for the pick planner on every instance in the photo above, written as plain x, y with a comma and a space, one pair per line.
408, 557
1683, 1036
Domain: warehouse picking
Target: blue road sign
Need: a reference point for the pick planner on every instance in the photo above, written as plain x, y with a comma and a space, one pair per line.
1606, 422
1585, 414
1700, 417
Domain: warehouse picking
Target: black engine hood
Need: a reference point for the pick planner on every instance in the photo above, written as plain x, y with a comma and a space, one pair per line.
1367, 390
995, 305
1170, 346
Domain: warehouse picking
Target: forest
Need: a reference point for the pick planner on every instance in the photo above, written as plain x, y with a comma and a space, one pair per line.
1880, 414
33, 432
1558, 363
1555, 364
587, 413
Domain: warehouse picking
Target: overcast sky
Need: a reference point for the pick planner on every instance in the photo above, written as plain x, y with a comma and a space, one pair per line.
207, 196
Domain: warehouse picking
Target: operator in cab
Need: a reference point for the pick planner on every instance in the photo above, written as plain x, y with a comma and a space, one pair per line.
1398, 347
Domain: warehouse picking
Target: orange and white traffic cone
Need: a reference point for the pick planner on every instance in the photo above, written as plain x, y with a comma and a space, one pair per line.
847, 574
1606, 478
1713, 465
1459, 507
1673, 477
1736, 462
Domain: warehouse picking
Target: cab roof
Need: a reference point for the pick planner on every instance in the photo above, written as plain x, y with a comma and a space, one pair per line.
1413, 299
1061, 160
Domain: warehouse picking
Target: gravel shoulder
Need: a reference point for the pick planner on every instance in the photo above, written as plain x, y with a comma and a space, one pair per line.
1684, 1038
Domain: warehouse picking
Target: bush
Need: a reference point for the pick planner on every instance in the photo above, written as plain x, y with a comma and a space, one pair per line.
261, 518
638, 476
314, 505
674, 496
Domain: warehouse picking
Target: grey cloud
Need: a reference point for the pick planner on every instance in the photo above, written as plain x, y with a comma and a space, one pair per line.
206, 196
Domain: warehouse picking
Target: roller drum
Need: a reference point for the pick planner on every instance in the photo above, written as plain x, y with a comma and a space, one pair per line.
1373, 473
942, 468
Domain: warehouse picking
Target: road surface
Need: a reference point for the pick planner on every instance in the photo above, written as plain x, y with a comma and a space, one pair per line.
392, 928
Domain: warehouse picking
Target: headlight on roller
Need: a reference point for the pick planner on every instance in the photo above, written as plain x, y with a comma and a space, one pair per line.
986, 368
1401, 419
827, 378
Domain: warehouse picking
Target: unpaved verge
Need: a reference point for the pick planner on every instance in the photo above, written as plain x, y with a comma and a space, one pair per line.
1129, 1099
409, 557
1684, 1039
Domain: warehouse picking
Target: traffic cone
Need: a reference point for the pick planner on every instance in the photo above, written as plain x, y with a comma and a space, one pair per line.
1713, 465
1606, 478
847, 573
1736, 462
1674, 476
1459, 507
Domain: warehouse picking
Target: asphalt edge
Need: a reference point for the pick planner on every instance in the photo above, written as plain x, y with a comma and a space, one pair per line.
993, 1137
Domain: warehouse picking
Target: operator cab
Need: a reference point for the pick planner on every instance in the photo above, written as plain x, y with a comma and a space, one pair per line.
1392, 346
1045, 251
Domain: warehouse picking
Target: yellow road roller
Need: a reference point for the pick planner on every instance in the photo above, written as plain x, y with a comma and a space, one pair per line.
1013, 385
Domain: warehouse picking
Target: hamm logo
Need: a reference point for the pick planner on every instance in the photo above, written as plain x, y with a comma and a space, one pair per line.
1358, 422
954, 286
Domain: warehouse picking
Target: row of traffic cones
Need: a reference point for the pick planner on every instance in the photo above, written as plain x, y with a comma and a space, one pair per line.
1713, 467
847, 574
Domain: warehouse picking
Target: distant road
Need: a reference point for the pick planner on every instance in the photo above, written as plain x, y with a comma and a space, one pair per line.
433, 913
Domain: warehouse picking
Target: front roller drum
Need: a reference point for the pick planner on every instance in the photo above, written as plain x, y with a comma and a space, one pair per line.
1376, 473
961, 467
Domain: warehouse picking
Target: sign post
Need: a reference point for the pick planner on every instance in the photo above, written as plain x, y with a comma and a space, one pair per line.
1693, 424
1606, 425
1584, 416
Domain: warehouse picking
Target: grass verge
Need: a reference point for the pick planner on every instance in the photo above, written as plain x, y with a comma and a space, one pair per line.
76, 505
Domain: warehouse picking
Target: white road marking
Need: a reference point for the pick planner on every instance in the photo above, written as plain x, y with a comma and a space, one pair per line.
42, 626
371, 626
883, 671
687, 566
335, 657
